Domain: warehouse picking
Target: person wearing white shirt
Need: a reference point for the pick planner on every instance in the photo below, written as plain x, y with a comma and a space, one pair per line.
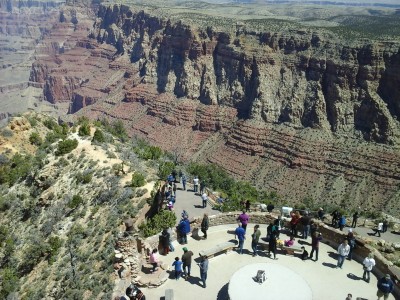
195, 184
205, 198
369, 263
343, 251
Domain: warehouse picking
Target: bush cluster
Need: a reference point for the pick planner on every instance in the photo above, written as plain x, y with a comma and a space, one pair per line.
138, 180
164, 219
66, 146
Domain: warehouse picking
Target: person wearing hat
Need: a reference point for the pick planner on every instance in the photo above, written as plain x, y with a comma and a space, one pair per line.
187, 262
368, 263
385, 287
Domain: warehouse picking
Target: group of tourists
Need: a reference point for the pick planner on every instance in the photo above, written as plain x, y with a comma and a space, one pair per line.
299, 226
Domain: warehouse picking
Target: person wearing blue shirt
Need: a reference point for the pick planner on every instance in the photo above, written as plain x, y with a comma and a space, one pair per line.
178, 268
240, 234
184, 229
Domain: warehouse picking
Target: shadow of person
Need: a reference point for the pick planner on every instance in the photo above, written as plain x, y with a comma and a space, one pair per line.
332, 254
329, 265
304, 243
195, 280
195, 234
354, 277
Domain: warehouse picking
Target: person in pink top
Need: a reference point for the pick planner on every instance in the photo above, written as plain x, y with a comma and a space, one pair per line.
243, 219
289, 243
154, 260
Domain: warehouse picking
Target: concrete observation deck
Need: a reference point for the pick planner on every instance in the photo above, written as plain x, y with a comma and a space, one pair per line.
288, 275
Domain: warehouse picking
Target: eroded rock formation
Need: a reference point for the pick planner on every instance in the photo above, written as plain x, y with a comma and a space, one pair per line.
300, 112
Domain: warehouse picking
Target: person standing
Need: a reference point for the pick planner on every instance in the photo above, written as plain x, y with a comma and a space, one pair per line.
305, 222
343, 251
352, 242
272, 244
316, 237
178, 268
174, 189
355, 218
385, 224
293, 223
184, 182
203, 270
378, 230
342, 222
243, 219
187, 262
204, 225
195, 184
202, 186
154, 260
368, 263
335, 218
240, 234
184, 229
255, 237
248, 205
204, 197
385, 287
171, 247
164, 239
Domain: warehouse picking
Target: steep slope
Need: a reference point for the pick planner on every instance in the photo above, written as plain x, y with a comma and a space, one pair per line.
61, 214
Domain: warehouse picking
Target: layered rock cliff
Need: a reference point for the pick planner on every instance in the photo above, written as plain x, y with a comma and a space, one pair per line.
297, 111
303, 78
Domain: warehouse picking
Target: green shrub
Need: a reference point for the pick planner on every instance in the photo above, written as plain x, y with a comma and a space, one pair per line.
98, 136
84, 177
138, 180
164, 169
84, 129
35, 139
16, 169
164, 219
75, 201
9, 282
66, 146
55, 244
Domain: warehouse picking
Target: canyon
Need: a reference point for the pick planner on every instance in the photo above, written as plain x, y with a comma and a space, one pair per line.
305, 110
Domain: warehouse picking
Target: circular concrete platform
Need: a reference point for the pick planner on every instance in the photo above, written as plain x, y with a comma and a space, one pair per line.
281, 283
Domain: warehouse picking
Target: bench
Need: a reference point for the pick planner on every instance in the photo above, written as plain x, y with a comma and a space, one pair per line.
219, 248
291, 250
169, 294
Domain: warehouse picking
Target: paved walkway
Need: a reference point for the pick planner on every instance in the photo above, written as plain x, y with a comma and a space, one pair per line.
192, 203
325, 281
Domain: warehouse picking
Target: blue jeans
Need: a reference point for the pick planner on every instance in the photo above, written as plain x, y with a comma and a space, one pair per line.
241, 242
204, 203
306, 230
171, 247
340, 260
183, 238
195, 187
184, 185
203, 276
254, 247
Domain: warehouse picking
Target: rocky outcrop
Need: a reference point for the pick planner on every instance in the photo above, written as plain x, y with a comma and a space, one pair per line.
301, 78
